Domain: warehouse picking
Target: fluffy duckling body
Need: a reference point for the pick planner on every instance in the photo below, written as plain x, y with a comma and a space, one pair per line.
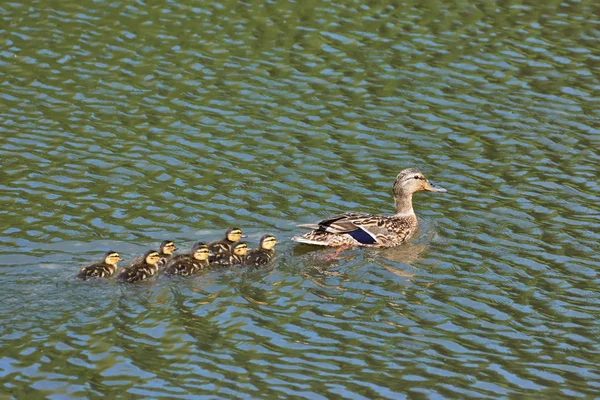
144, 269
188, 264
103, 269
221, 249
361, 229
264, 254
237, 256
167, 247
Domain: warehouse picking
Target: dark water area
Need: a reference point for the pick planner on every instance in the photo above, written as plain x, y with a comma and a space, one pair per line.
126, 123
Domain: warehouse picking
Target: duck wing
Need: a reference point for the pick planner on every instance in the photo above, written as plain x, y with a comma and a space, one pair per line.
182, 264
94, 271
362, 227
258, 257
136, 273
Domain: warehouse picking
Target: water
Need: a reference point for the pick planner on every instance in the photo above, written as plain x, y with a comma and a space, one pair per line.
123, 124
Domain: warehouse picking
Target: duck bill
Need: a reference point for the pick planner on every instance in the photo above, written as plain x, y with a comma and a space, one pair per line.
244, 236
432, 187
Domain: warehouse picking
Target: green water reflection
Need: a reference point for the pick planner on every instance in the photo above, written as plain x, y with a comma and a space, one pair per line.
126, 123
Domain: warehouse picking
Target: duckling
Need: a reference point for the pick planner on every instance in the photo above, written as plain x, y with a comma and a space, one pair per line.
102, 269
264, 254
141, 270
237, 255
221, 249
188, 264
361, 229
167, 247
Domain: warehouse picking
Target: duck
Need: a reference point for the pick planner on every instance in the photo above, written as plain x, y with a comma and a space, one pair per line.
221, 249
166, 249
188, 264
237, 256
141, 270
264, 254
369, 230
103, 269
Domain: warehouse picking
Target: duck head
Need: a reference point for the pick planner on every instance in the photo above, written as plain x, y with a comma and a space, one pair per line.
112, 258
151, 257
234, 234
407, 182
240, 249
267, 242
167, 247
200, 251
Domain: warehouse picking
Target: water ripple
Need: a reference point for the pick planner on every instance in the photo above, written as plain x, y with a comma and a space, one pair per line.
125, 124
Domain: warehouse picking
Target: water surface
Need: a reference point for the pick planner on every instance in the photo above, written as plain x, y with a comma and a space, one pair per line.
123, 124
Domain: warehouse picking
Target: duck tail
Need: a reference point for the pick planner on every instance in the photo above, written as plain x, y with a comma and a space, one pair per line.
310, 226
302, 239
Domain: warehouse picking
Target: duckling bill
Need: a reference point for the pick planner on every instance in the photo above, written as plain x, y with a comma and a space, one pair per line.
103, 269
188, 264
264, 254
361, 229
141, 270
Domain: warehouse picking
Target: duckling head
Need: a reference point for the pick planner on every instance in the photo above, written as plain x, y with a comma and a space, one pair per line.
200, 251
412, 180
267, 242
151, 257
240, 249
234, 234
167, 247
112, 258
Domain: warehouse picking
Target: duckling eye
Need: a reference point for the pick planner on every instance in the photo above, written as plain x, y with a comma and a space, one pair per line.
416, 177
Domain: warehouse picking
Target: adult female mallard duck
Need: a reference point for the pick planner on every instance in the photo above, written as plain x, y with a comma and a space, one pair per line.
221, 249
264, 254
141, 270
167, 247
188, 264
361, 229
103, 269
238, 255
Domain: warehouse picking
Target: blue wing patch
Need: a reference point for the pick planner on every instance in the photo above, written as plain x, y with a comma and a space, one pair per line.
362, 237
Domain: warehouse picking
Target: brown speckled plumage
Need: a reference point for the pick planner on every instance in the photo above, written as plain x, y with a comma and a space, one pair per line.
237, 256
264, 254
142, 270
102, 269
361, 229
221, 249
185, 264
189, 264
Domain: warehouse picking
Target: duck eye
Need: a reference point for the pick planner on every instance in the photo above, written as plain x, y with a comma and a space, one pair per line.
416, 177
